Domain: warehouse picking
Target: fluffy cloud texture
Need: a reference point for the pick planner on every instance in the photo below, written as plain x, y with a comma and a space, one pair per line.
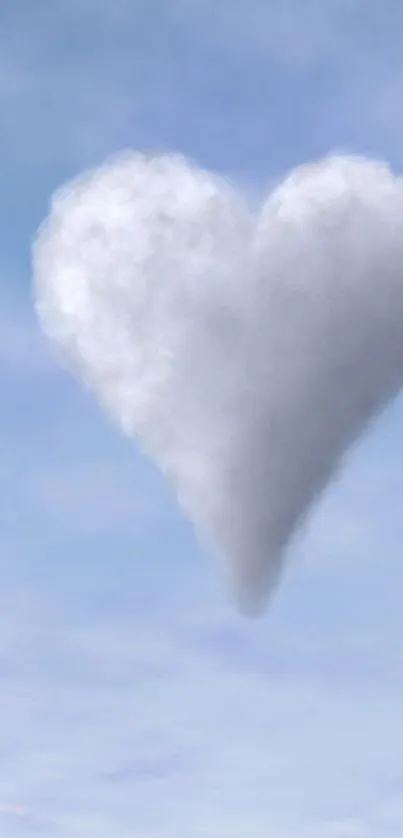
246, 354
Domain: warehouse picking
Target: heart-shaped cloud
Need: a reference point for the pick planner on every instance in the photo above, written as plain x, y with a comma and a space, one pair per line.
246, 354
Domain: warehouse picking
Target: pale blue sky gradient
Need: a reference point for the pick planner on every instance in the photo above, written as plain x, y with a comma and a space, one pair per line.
134, 702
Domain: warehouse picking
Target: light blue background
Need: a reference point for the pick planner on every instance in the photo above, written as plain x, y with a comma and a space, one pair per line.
134, 702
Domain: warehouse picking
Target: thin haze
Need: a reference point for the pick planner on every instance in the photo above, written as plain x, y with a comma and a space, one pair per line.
245, 354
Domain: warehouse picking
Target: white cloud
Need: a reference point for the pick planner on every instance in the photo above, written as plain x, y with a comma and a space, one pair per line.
245, 355
181, 721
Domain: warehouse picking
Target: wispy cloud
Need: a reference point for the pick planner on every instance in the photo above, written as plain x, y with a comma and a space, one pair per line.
116, 719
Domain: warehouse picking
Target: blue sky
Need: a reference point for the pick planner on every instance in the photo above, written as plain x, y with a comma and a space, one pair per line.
135, 703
